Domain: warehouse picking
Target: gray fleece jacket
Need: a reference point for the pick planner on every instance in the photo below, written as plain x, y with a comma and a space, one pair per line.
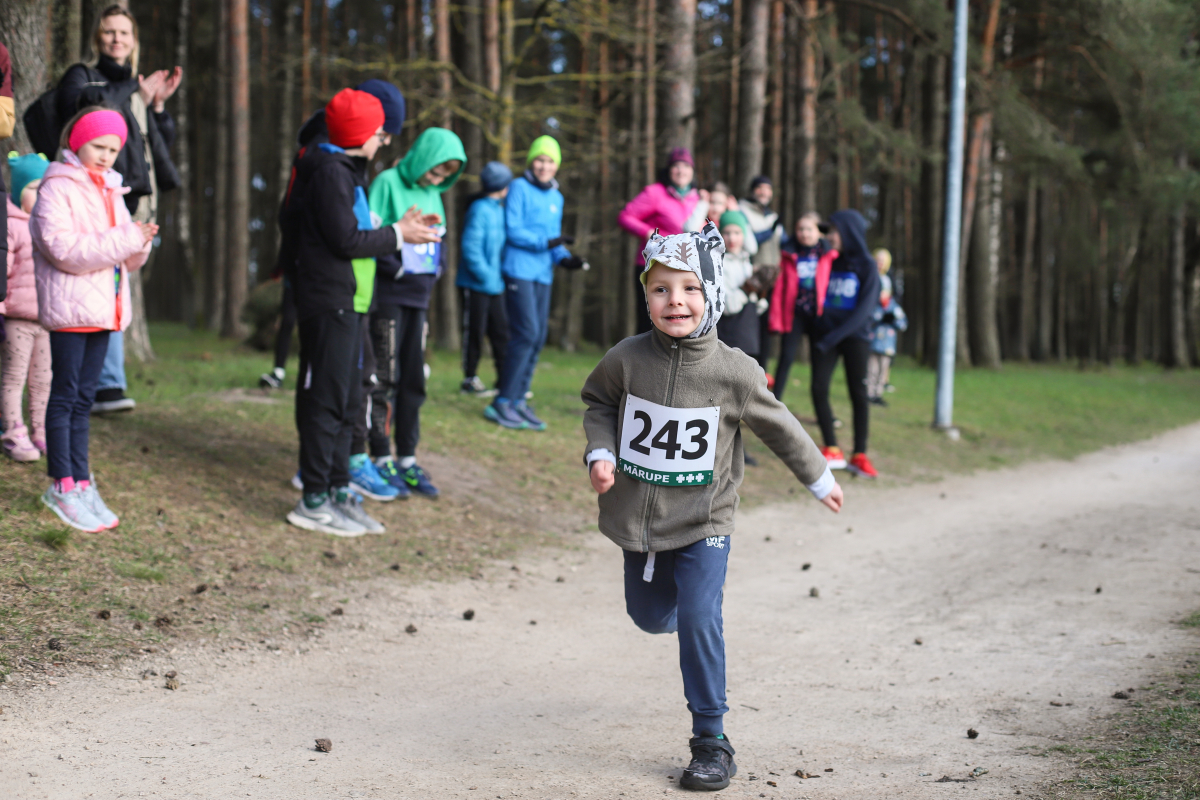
687, 373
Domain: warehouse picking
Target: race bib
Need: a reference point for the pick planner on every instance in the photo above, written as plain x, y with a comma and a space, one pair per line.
806, 271
422, 259
843, 291
668, 446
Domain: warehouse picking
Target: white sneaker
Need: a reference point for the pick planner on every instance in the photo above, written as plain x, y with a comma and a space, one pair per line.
352, 510
92, 497
72, 509
297, 484
325, 518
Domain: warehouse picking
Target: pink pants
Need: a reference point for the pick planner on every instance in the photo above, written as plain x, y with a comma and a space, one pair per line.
26, 356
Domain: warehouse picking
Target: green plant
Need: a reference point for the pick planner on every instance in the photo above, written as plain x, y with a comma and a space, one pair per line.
139, 571
53, 537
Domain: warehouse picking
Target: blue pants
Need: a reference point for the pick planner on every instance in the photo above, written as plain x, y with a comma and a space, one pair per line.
528, 306
684, 596
76, 359
113, 374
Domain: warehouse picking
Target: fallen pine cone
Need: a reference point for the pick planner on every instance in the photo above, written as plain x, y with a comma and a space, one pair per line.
972, 733
172, 684
324, 745
802, 774
410, 628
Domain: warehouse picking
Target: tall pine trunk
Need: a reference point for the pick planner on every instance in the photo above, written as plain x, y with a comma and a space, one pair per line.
933, 197
1178, 343
778, 23
23, 31
753, 92
183, 151
808, 109
218, 252
445, 295
237, 271
679, 105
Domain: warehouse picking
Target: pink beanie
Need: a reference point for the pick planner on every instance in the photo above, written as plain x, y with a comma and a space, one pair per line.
97, 124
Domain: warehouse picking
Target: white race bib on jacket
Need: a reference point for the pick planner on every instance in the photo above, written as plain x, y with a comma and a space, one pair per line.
668, 446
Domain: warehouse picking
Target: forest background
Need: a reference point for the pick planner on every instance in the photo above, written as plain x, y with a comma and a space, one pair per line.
1081, 234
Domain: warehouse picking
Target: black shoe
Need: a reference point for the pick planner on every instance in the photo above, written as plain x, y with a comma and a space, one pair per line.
712, 764
110, 400
879, 401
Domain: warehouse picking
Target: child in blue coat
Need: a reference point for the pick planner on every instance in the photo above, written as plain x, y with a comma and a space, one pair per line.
535, 245
479, 279
888, 318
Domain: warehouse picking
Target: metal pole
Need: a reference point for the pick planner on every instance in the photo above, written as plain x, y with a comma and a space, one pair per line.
943, 410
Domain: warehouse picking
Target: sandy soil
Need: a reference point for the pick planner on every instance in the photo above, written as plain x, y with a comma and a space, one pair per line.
1054, 583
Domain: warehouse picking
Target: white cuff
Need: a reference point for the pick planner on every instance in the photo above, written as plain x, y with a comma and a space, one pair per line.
603, 454
824, 485
399, 236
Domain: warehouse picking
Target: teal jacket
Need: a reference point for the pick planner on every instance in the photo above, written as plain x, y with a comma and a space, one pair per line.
482, 247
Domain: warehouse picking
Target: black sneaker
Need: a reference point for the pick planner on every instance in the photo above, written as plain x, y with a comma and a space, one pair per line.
110, 400
712, 764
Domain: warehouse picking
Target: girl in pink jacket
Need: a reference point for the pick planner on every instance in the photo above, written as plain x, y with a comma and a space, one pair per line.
84, 244
27, 348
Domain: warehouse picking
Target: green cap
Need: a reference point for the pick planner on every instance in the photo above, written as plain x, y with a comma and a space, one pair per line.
733, 218
544, 146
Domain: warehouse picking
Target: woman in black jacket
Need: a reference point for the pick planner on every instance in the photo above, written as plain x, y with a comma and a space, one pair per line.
144, 162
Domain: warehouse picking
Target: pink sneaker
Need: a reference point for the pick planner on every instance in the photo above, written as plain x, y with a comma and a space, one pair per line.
40, 444
19, 448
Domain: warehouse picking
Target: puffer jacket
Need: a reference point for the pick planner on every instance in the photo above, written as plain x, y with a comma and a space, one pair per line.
687, 373
21, 302
657, 207
533, 215
75, 251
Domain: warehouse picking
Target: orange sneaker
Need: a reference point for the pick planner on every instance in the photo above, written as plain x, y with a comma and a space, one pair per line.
861, 466
835, 457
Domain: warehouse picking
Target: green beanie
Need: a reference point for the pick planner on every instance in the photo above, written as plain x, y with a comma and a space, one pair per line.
24, 169
733, 218
544, 146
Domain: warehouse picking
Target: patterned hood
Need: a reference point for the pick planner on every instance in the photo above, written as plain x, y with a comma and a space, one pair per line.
700, 253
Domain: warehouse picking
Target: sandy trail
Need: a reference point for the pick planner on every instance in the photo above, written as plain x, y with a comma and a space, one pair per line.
997, 575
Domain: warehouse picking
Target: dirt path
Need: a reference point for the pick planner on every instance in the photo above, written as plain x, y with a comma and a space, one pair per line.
997, 575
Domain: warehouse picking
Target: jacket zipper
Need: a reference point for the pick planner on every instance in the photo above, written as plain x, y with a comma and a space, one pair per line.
652, 494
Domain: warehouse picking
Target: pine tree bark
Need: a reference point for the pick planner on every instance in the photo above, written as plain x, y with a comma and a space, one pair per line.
986, 334
753, 92
808, 109
68, 35
1178, 347
445, 325
839, 97
472, 58
1025, 317
306, 76
183, 151
507, 87
735, 79
218, 251
23, 27
777, 23
650, 139
238, 266
679, 105
933, 197
286, 141
1102, 294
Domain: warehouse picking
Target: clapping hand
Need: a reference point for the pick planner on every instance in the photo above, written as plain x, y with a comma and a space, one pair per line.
417, 227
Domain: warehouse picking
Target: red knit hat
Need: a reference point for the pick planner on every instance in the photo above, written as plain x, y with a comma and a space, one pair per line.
352, 118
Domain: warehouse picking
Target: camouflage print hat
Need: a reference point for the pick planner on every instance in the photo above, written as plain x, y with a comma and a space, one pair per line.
700, 253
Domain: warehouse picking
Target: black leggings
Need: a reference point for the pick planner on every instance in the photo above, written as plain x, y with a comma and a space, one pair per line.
287, 322
788, 345
855, 352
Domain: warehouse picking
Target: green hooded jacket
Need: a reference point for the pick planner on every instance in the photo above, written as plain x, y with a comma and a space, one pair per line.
396, 189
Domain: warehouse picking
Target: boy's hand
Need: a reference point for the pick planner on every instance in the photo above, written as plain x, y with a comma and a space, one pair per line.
832, 501
417, 227
603, 478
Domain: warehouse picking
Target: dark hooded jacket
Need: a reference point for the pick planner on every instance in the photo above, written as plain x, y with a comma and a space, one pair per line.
291, 211
112, 85
853, 285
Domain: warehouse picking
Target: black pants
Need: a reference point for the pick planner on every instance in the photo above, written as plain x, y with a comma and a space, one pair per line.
361, 413
765, 339
854, 352
287, 321
328, 390
398, 337
76, 360
788, 344
483, 314
639, 302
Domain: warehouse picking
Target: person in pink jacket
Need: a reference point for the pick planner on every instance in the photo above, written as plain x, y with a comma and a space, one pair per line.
84, 244
663, 206
27, 347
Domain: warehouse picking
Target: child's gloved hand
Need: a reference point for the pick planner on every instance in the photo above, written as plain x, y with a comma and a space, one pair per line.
832, 501
603, 478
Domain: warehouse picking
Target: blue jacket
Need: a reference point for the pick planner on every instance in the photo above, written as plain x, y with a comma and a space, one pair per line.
532, 217
887, 322
482, 247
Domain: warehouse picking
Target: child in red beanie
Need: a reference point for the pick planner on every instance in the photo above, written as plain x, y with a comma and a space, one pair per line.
335, 278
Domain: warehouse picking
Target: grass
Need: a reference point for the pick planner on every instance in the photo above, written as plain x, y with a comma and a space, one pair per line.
1151, 751
199, 475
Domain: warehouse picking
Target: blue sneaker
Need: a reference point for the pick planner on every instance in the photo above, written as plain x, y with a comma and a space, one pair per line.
366, 480
504, 415
393, 476
418, 481
527, 414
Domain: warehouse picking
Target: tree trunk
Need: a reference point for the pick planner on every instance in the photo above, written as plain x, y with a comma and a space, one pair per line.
491, 44
610, 269
68, 35
778, 22
446, 324
218, 251
472, 57
650, 9
978, 159
326, 23
1045, 300
1178, 347
237, 272
23, 23
735, 88
1123, 289
1025, 306
753, 92
679, 106
306, 78
933, 194
808, 110
287, 101
986, 338
183, 203
839, 96
507, 87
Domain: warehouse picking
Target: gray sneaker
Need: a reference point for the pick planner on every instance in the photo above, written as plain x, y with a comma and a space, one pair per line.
100, 511
325, 518
352, 509
72, 509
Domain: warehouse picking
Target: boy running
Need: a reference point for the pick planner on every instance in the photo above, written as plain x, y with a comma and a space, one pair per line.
666, 406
